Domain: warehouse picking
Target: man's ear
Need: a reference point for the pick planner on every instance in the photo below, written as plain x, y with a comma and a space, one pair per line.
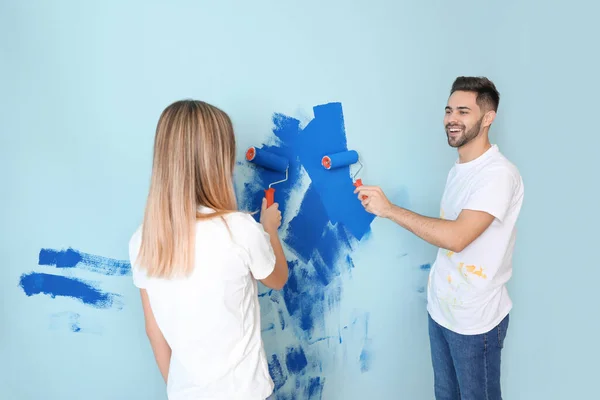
488, 118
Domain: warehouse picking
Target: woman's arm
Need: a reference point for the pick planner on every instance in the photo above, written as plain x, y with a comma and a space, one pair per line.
160, 347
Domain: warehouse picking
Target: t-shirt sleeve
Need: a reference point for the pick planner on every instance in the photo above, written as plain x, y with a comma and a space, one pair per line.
139, 277
492, 193
257, 245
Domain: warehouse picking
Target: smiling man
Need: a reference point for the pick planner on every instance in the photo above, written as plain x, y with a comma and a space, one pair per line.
467, 299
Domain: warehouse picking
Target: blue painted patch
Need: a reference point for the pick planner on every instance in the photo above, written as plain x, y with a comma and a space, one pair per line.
315, 388
71, 258
277, 375
53, 285
329, 221
295, 360
62, 259
421, 289
425, 267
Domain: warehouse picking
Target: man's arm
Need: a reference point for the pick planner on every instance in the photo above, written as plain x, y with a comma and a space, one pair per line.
450, 235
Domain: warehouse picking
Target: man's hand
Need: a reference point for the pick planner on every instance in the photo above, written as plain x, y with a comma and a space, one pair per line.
375, 201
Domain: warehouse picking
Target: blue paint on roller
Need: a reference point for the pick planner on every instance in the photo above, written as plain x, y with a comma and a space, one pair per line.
266, 159
338, 160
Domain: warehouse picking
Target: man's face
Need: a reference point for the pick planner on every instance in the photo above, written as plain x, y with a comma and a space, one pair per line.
463, 118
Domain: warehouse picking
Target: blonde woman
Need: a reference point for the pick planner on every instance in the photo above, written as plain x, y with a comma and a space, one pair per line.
196, 260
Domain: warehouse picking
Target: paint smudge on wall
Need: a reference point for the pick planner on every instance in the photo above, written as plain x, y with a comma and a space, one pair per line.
74, 322
66, 319
55, 285
319, 240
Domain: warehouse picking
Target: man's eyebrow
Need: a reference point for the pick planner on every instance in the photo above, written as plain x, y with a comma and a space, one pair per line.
458, 108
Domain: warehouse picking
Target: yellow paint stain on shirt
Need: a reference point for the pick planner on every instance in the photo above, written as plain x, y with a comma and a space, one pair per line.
473, 270
442, 214
449, 253
449, 279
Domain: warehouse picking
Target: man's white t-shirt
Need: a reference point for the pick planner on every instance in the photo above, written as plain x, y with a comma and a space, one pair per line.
466, 291
211, 320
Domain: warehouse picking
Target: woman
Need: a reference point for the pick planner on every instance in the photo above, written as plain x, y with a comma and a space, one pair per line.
196, 260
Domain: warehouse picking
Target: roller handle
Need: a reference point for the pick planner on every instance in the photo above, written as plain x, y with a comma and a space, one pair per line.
358, 183
270, 196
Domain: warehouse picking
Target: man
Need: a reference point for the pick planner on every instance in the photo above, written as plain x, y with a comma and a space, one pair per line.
467, 300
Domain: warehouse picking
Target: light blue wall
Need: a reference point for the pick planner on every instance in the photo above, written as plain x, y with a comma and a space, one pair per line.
82, 85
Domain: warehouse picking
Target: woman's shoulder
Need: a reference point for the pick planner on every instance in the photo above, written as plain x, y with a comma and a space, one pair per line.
241, 219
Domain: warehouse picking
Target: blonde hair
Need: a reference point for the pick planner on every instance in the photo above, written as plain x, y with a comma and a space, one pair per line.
194, 158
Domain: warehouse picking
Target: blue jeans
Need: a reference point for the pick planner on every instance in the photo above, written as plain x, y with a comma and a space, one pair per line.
466, 367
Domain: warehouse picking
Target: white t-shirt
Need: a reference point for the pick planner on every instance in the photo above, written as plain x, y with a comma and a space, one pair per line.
466, 291
211, 320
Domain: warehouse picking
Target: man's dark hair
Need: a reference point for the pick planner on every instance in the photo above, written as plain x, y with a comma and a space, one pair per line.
488, 97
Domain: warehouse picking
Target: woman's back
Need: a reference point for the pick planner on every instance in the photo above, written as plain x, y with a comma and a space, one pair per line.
211, 319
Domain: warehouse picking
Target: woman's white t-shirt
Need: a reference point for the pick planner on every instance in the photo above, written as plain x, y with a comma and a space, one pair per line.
211, 319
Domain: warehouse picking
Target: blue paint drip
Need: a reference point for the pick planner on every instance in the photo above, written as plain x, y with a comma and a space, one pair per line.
276, 372
425, 267
71, 258
54, 285
295, 360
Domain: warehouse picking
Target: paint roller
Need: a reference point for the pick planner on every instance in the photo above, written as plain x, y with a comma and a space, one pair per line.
343, 159
270, 161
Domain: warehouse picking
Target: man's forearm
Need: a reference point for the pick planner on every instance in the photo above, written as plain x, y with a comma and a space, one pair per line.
438, 232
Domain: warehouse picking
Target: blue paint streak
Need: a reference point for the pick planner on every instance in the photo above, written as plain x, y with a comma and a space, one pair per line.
62, 259
421, 289
281, 319
425, 267
315, 388
295, 360
365, 360
54, 285
71, 258
276, 372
